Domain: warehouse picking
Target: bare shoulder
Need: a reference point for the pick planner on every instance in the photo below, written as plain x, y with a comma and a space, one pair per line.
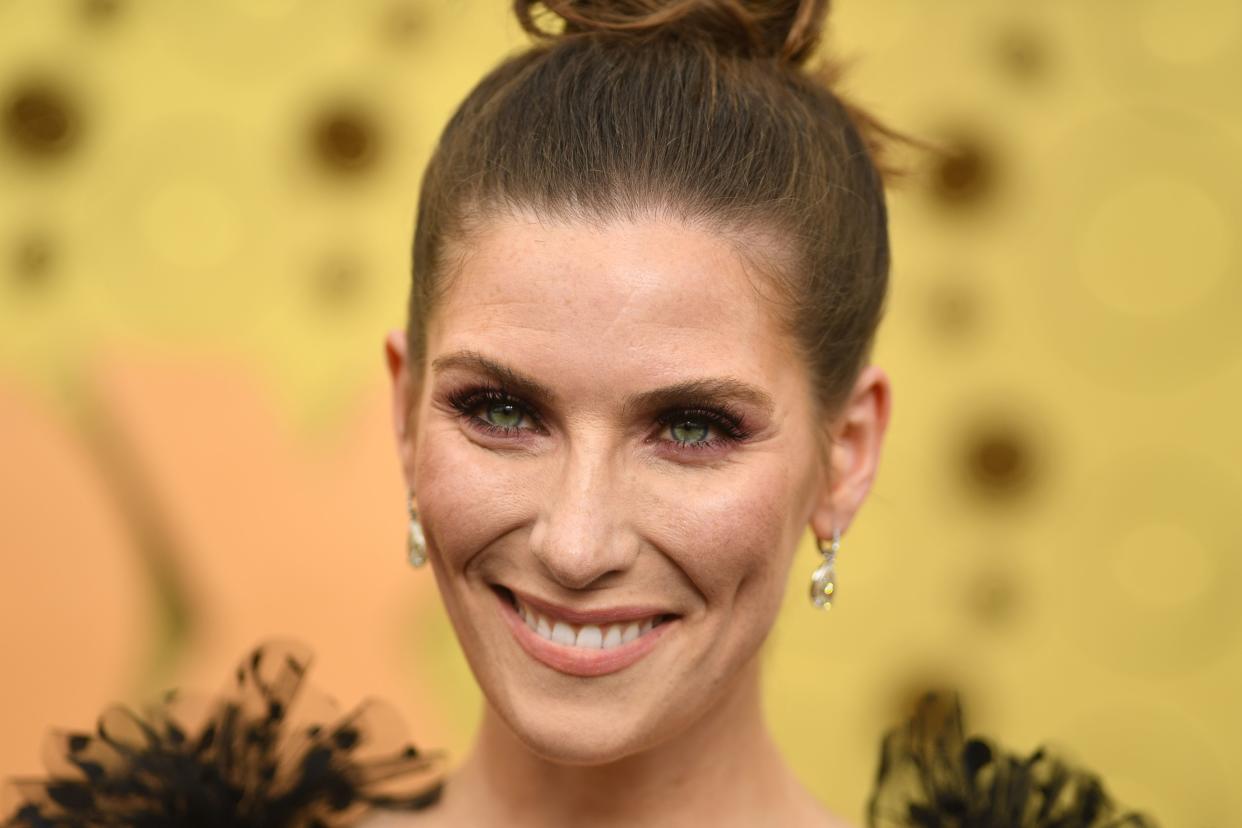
836, 822
815, 815
827, 820
812, 813
404, 819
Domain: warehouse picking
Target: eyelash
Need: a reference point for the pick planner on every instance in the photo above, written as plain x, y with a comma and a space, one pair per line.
725, 421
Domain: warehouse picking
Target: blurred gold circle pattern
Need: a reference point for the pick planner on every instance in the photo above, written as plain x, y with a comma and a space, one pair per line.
1161, 564
33, 263
267, 8
999, 459
1149, 276
1151, 226
41, 119
1023, 52
993, 594
402, 22
1003, 452
336, 283
1170, 50
966, 175
1150, 566
100, 11
954, 309
177, 232
190, 224
877, 28
1185, 776
1176, 33
251, 40
345, 139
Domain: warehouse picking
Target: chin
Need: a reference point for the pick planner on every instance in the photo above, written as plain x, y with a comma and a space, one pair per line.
579, 720
592, 705
585, 734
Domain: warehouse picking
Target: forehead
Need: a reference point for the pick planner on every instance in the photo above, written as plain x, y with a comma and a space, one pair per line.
621, 300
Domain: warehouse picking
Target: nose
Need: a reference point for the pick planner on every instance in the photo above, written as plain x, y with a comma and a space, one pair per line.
580, 538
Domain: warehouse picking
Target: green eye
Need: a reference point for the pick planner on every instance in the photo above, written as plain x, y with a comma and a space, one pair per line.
689, 431
504, 415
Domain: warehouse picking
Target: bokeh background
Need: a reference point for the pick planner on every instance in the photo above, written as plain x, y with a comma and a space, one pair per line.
205, 217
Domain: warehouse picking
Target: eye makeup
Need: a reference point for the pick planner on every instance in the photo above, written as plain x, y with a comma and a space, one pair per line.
467, 402
476, 403
725, 422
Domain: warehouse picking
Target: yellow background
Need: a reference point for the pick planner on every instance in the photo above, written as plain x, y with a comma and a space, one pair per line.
205, 218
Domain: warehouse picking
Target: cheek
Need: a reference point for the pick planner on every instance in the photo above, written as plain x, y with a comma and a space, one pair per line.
731, 532
466, 497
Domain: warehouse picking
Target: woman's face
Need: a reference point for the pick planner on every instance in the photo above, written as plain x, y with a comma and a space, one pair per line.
614, 452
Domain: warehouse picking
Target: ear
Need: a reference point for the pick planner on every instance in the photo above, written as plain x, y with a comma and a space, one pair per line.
404, 400
855, 435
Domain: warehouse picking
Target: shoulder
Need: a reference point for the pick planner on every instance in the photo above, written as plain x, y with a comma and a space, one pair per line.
931, 773
250, 760
426, 818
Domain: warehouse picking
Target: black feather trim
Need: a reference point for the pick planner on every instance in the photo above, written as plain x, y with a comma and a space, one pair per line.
931, 776
247, 764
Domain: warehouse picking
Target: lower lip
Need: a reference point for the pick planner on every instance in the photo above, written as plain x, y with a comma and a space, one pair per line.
579, 661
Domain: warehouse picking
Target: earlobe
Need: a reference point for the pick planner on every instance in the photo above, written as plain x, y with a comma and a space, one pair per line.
857, 435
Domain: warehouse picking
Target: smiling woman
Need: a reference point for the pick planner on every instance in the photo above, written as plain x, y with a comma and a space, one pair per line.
612, 484
650, 257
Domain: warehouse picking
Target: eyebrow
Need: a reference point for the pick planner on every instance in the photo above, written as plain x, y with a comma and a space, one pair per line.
506, 376
709, 390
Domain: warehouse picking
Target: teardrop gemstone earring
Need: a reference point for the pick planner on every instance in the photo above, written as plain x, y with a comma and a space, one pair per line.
416, 543
823, 579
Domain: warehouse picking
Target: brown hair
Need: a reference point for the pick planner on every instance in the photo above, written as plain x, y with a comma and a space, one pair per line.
699, 109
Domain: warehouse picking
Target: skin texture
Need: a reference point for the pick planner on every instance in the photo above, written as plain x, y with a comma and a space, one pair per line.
590, 500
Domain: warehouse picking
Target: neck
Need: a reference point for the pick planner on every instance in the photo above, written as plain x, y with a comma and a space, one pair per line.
723, 770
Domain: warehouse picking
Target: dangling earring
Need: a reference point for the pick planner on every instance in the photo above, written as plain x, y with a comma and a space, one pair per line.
417, 542
823, 586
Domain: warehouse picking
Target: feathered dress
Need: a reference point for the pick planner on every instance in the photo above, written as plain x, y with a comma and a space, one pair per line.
248, 763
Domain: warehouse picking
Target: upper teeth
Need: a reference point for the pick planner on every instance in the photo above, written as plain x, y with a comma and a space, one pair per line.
590, 636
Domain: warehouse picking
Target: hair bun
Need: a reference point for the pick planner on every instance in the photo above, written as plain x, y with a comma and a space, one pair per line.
788, 30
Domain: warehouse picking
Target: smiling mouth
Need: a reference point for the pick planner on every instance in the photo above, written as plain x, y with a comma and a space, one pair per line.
583, 643
605, 636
